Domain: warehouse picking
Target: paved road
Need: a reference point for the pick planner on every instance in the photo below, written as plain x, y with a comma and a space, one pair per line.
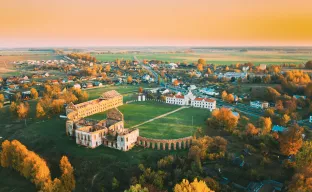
148, 68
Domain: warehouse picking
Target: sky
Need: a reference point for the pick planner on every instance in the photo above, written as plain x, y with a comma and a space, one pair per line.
44, 23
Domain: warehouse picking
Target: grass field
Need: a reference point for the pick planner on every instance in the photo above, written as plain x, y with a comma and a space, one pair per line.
183, 123
122, 89
225, 58
138, 112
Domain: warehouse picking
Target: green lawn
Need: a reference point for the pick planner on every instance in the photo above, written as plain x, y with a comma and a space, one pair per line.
122, 89
138, 112
182, 123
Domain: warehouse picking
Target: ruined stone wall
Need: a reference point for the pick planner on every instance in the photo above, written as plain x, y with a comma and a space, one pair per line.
165, 144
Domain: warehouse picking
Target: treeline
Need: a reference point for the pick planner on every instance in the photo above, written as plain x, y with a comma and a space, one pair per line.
53, 99
31, 166
82, 56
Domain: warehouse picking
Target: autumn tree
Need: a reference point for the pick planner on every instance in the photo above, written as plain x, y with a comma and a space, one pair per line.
200, 67
22, 111
291, 140
284, 119
251, 130
107, 68
201, 61
140, 89
129, 79
137, 188
40, 111
302, 180
230, 98
57, 105
265, 125
175, 82
308, 65
224, 95
223, 119
1, 98
34, 93
13, 108
67, 177
195, 186
209, 71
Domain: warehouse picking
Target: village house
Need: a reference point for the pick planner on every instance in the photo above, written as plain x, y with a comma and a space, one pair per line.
259, 104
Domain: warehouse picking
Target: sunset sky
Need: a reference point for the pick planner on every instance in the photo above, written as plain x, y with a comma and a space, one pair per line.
26, 23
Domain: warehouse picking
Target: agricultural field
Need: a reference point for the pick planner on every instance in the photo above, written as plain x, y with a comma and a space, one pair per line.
224, 58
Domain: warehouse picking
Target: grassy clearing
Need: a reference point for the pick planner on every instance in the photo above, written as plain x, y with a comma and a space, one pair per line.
138, 112
122, 89
176, 125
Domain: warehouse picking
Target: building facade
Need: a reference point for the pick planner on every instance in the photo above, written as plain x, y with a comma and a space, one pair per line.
108, 100
205, 103
259, 104
192, 100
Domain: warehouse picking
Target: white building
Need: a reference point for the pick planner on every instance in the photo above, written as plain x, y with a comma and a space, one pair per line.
77, 86
259, 104
233, 74
209, 91
180, 99
205, 103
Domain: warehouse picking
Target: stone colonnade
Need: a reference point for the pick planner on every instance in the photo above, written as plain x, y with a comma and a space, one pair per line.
165, 144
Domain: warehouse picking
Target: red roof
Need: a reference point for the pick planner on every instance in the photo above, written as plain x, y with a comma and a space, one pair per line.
205, 99
176, 96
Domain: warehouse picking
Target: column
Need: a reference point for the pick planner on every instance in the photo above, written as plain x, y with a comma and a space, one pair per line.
174, 146
164, 146
158, 146
180, 145
153, 145
169, 146
184, 144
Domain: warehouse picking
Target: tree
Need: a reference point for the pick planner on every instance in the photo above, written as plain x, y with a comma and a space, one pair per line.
304, 158
308, 65
201, 61
67, 178
34, 94
195, 186
13, 108
17, 97
285, 119
230, 98
223, 95
129, 79
1, 98
265, 125
175, 82
107, 68
137, 188
140, 90
209, 71
269, 112
223, 119
22, 111
213, 184
251, 130
40, 111
200, 67
115, 184
291, 140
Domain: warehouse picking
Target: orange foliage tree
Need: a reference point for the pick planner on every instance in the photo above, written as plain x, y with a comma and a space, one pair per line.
291, 140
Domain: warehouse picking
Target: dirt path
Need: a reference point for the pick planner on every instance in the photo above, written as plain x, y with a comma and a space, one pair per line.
160, 116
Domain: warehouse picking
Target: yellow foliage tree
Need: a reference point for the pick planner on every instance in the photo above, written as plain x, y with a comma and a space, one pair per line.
195, 186
129, 79
40, 111
223, 95
67, 178
34, 93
